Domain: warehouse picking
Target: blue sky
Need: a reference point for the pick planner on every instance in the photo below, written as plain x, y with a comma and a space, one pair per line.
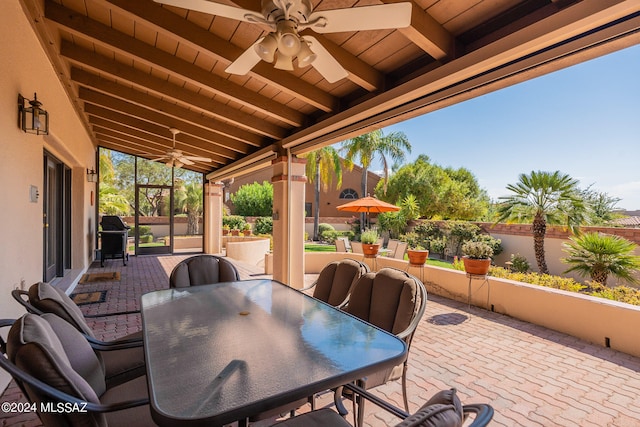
583, 120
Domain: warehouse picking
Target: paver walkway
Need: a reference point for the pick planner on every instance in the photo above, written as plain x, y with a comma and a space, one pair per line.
532, 376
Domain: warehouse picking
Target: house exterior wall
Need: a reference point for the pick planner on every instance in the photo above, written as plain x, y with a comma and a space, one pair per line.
328, 201
25, 70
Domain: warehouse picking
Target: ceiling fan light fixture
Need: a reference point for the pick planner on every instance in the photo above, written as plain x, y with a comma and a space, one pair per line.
266, 49
289, 43
284, 62
306, 55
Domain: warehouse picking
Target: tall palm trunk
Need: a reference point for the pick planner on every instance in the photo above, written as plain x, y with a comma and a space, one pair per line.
316, 206
363, 216
539, 230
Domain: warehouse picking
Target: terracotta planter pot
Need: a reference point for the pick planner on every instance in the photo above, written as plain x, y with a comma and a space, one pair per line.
225, 232
246, 232
479, 267
417, 257
370, 250
235, 232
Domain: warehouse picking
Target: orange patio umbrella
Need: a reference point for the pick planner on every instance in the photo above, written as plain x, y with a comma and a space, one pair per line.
367, 205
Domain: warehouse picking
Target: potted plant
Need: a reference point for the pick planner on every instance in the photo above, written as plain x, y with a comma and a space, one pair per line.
235, 231
225, 229
477, 257
246, 229
417, 255
369, 239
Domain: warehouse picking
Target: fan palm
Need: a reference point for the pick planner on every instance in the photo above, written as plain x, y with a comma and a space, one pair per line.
375, 145
543, 198
322, 166
597, 255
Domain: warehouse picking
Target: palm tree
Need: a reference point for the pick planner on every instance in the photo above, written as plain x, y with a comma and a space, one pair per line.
322, 166
374, 145
598, 255
543, 198
189, 200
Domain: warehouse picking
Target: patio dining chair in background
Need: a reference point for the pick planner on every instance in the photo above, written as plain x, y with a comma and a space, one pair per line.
341, 246
399, 251
336, 280
202, 270
392, 244
395, 301
52, 362
356, 247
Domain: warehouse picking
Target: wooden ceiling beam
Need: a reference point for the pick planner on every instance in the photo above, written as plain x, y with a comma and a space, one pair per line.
228, 144
117, 145
197, 140
105, 36
144, 81
167, 22
426, 33
92, 81
152, 141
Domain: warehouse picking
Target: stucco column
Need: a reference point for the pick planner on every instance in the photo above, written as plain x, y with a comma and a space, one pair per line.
288, 220
212, 238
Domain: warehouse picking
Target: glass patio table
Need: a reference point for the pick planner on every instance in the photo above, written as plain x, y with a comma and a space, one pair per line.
223, 352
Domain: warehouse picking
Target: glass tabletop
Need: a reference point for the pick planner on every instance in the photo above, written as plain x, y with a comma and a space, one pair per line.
223, 352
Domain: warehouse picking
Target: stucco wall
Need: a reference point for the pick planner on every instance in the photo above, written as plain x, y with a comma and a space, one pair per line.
25, 70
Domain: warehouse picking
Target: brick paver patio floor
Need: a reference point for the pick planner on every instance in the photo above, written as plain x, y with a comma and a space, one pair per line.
531, 375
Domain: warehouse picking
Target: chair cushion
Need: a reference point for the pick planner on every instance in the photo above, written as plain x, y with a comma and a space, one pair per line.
336, 280
132, 390
125, 364
34, 347
319, 418
202, 270
444, 409
48, 299
437, 415
388, 299
80, 354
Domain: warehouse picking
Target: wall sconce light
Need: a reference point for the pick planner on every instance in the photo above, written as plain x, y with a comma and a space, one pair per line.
32, 119
92, 175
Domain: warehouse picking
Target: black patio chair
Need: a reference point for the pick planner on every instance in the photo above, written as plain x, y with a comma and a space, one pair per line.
54, 365
202, 270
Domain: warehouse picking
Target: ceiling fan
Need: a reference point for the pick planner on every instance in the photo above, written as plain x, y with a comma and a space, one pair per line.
175, 158
285, 18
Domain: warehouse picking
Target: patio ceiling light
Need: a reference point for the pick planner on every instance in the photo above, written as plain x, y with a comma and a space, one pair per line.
288, 45
32, 119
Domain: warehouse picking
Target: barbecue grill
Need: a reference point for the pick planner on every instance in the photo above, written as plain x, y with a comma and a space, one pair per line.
114, 236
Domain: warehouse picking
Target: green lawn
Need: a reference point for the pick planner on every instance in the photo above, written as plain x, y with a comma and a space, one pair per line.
316, 247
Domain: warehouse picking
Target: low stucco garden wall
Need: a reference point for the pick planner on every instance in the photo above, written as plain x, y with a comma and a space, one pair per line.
250, 250
596, 320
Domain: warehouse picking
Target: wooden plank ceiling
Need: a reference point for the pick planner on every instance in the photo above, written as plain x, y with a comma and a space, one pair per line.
134, 69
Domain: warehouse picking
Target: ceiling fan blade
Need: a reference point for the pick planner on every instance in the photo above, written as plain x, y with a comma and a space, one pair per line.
157, 159
213, 8
245, 62
197, 159
185, 161
377, 17
324, 63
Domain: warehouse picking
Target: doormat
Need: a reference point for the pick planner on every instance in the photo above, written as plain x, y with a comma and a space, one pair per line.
113, 276
82, 298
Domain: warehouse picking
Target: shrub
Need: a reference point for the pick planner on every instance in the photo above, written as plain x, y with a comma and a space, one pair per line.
369, 237
322, 227
477, 250
519, 263
495, 244
233, 221
254, 199
437, 245
263, 225
557, 282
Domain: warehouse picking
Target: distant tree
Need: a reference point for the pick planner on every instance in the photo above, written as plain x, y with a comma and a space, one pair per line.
543, 198
600, 207
254, 199
371, 146
445, 193
188, 200
322, 166
597, 255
